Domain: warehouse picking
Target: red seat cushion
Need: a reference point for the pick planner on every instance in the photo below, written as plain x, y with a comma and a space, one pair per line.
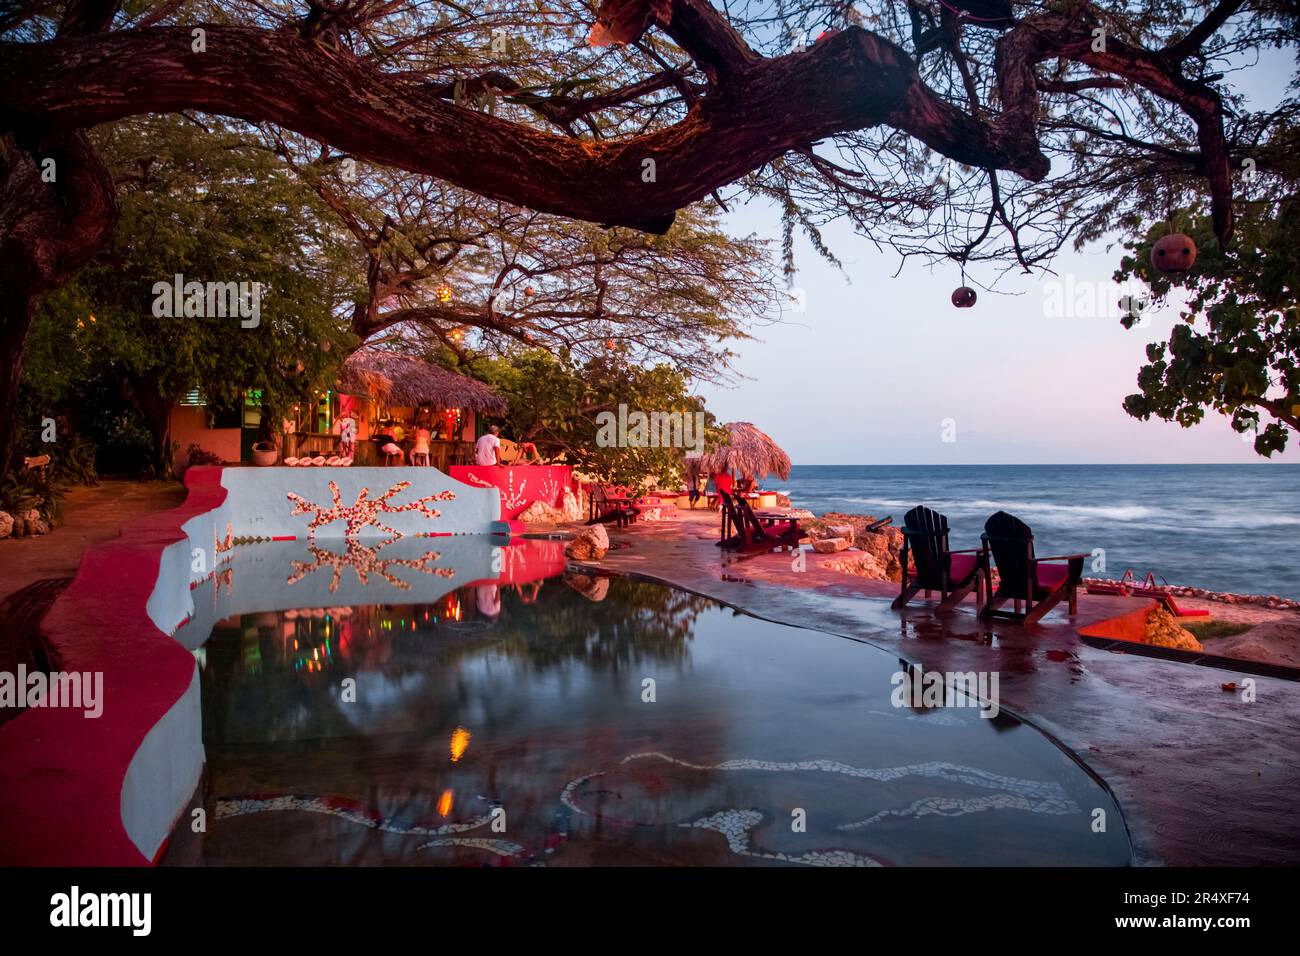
1050, 575
960, 566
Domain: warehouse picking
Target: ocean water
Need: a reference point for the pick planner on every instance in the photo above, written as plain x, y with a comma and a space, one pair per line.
1226, 527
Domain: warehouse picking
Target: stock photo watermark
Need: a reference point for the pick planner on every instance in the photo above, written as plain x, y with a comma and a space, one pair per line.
70, 690
208, 300
638, 429
918, 688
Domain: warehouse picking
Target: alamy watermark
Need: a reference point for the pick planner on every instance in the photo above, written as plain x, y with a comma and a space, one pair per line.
132, 911
75, 689
650, 429
208, 300
916, 687
1096, 299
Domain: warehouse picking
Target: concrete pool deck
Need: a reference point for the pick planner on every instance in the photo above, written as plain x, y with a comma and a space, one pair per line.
1203, 777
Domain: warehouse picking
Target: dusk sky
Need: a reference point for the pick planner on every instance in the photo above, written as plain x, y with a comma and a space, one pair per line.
874, 366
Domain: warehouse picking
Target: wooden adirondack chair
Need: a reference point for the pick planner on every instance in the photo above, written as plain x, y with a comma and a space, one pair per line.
603, 509
751, 534
954, 574
1040, 583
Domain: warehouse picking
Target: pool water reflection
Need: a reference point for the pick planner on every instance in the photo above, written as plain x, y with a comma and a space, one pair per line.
511, 717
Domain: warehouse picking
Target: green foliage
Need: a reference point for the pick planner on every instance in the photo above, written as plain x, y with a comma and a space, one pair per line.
1204, 630
1236, 350
554, 403
199, 203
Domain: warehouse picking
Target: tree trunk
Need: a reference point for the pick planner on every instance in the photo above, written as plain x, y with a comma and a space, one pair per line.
157, 410
57, 209
16, 310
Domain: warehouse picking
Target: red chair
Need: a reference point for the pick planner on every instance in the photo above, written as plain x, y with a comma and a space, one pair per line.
1041, 583
954, 574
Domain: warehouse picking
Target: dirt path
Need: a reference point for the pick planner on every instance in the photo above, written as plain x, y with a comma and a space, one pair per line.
91, 516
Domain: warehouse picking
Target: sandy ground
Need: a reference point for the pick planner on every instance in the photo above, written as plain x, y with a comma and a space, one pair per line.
1273, 638
91, 516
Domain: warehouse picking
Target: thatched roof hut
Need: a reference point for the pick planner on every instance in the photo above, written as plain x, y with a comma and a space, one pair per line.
749, 453
402, 380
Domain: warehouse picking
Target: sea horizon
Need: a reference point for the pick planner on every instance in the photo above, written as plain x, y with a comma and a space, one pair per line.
1226, 527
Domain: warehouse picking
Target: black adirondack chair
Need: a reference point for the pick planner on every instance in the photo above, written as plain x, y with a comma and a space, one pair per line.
749, 534
605, 510
1040, 583
954, 574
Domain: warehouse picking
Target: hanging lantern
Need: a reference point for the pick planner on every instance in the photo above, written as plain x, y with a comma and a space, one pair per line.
529, 290
443, 292
1173, 253
610, 344
964, 297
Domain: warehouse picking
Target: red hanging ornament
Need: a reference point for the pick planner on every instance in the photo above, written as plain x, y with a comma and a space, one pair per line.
964, 297
1173, 253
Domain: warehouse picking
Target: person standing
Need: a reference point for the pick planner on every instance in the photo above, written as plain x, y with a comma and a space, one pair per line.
487, 450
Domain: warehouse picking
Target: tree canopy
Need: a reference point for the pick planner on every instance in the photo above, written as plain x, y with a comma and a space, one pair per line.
558, 404
1236, 350
960, 129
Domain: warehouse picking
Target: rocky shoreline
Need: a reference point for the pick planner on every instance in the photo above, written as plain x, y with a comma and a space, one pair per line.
837, 532
1271, 601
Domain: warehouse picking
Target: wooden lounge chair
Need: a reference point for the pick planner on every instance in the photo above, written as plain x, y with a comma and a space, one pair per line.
954, 574
607, 506
1040, 583
1163, 594
751, 534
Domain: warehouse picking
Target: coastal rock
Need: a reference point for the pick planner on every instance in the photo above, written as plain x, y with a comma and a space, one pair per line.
830, 545
6, 524
589, 544
592, 587
1163, 630
540, 511
862, 565
570, 506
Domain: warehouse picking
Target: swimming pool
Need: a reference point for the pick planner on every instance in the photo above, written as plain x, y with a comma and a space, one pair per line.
448, 702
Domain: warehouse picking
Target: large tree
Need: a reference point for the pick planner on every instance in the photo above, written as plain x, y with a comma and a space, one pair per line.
446, 267
1076, 97
195, 202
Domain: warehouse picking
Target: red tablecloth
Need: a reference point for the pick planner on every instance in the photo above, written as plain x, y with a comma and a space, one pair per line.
520, 485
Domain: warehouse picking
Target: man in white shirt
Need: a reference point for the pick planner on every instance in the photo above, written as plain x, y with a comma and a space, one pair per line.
487, 450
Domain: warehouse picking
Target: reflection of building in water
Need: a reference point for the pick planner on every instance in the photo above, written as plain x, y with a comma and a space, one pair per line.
337, 641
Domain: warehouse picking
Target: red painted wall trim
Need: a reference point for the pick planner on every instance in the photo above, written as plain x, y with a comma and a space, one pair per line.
60, 773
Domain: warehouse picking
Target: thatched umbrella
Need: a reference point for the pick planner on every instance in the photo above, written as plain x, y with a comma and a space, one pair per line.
401, 380
749, 453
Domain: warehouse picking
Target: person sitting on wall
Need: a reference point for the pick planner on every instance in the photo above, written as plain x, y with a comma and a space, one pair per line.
388, 447
487, 450
528, 454
421, 448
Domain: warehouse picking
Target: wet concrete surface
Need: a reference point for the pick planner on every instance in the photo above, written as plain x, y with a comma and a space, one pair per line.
1204, 776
